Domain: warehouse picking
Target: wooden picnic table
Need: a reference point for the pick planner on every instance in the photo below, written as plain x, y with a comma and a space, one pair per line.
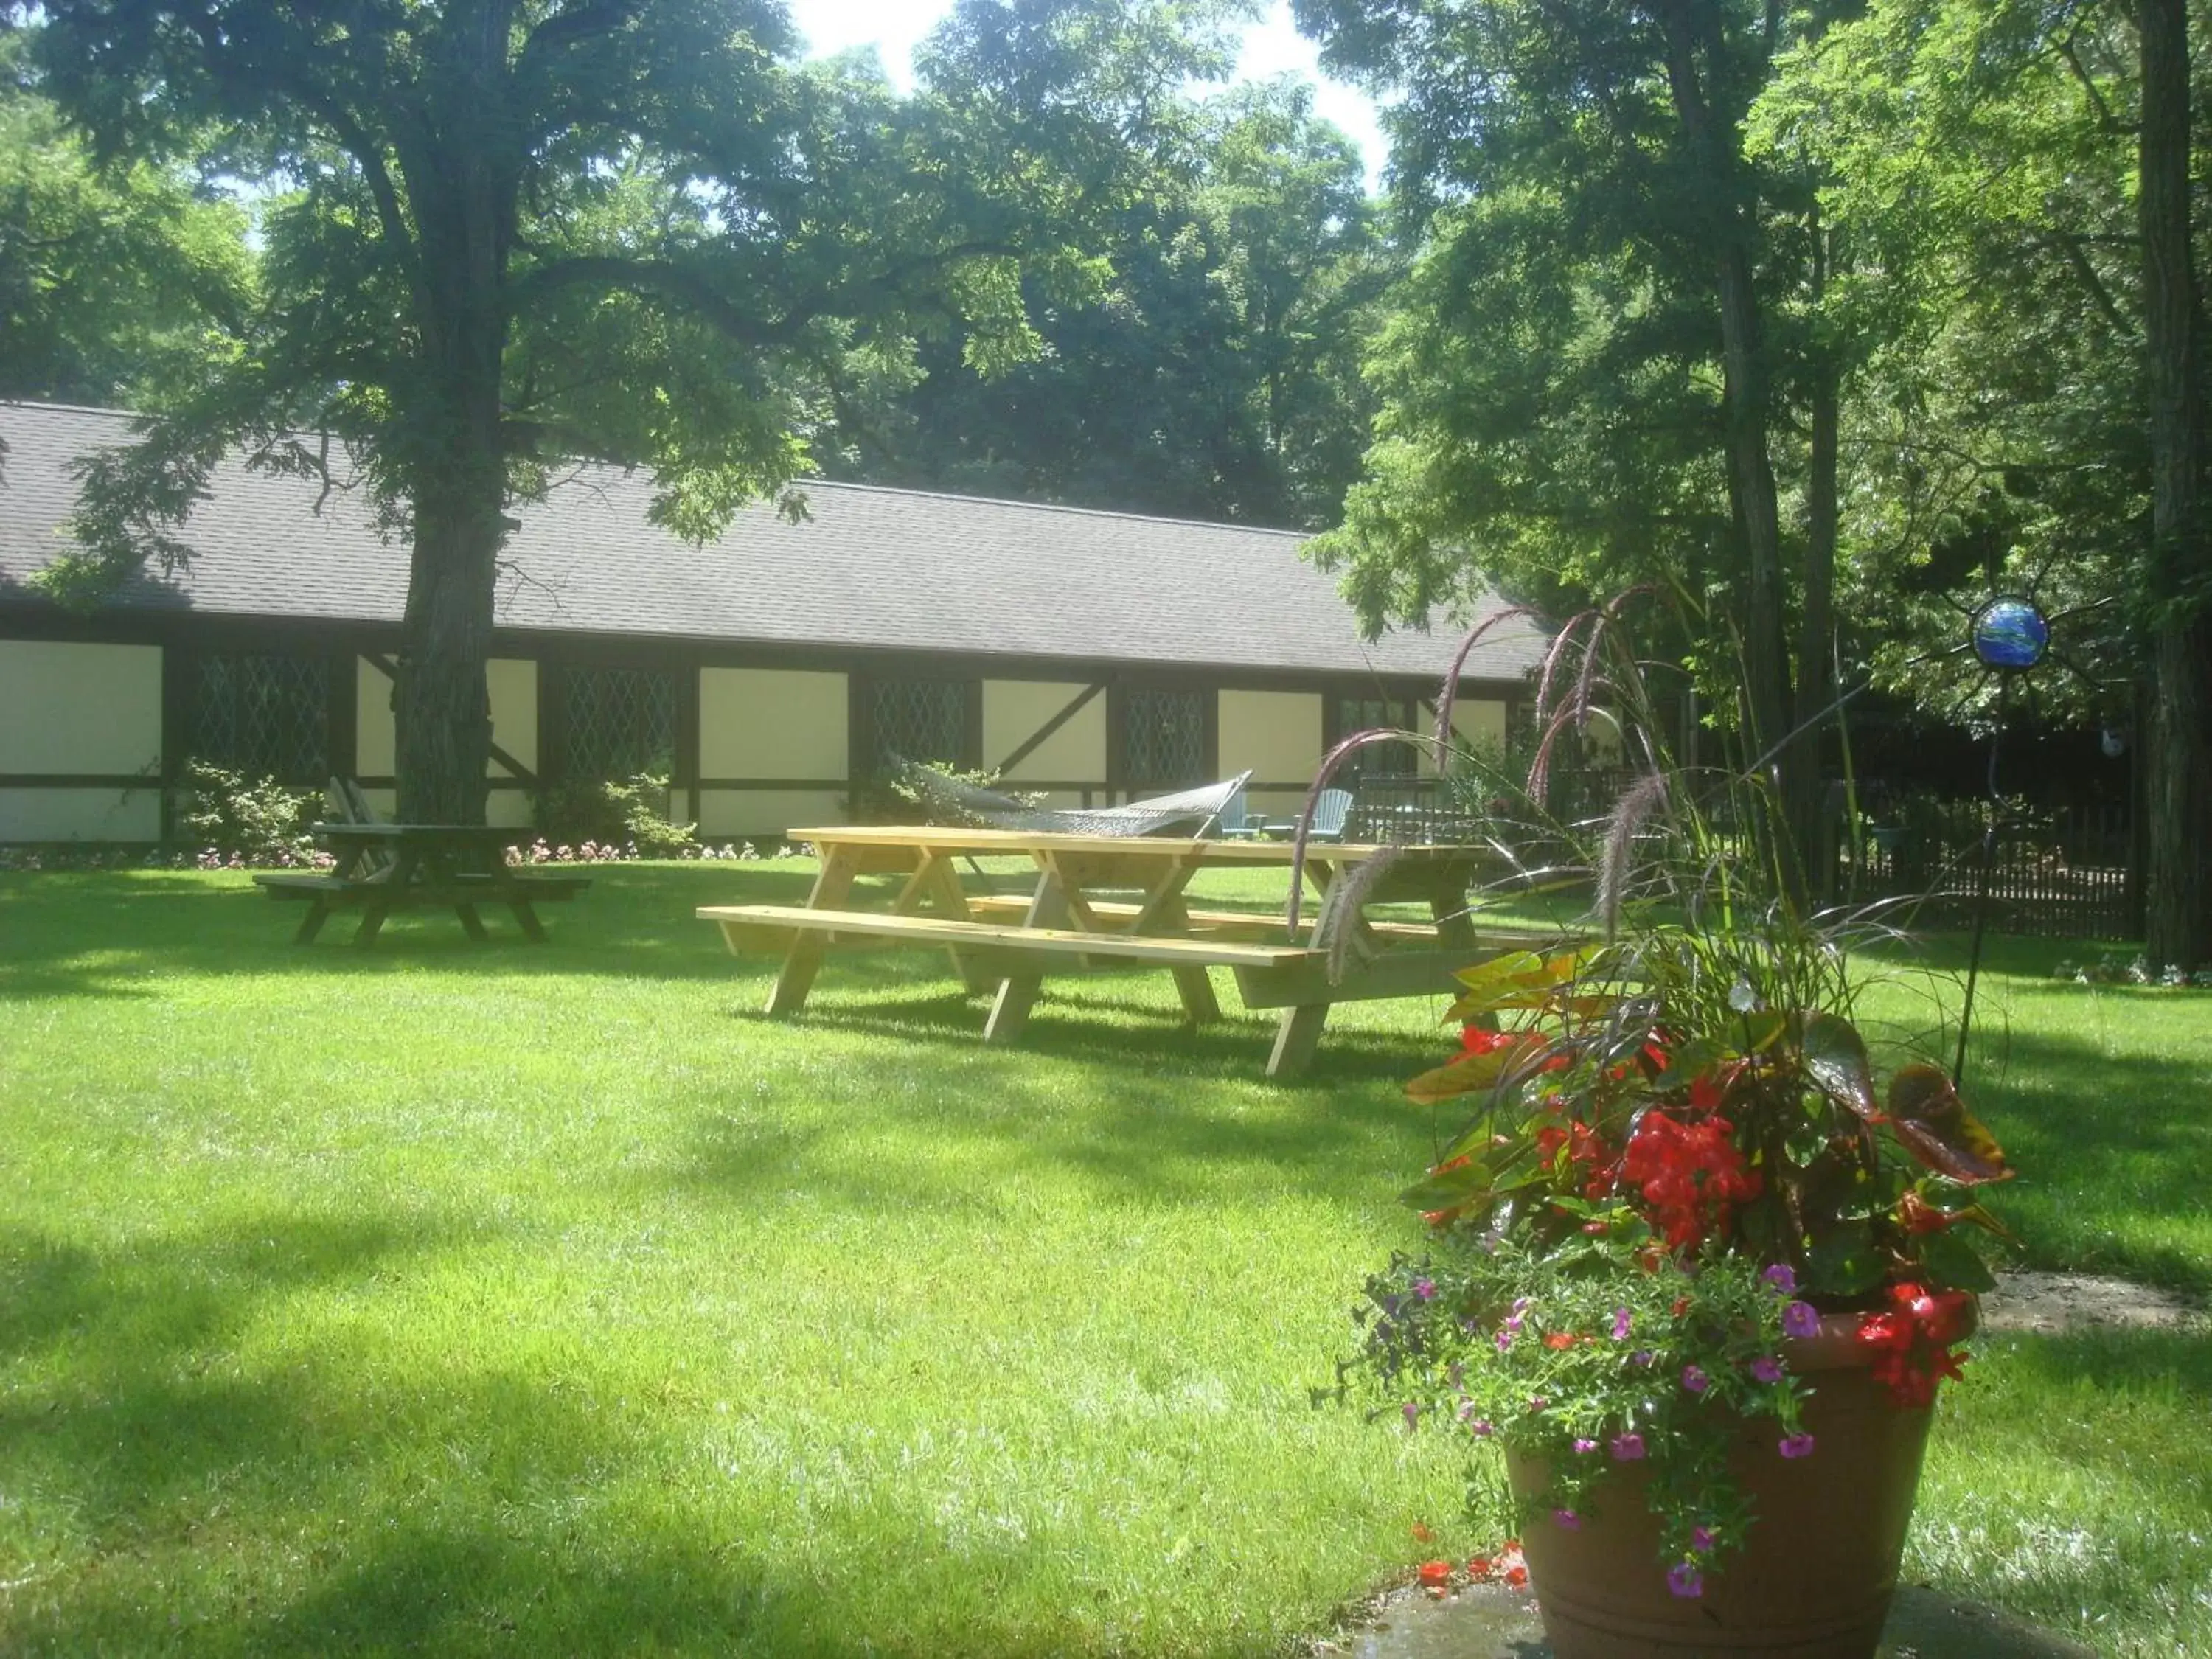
1007, 944
383, 867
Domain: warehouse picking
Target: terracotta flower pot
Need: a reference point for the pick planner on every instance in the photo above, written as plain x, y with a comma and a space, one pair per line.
1814, 1576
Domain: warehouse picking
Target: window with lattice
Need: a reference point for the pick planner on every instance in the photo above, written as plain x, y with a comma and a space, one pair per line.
926, 720
620, 722
1164, 737
263, 716
1377, 760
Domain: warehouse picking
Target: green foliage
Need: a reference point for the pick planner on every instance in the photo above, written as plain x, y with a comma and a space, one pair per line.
117, 282
258, 820
1213, 370
629, 812
1580, 1358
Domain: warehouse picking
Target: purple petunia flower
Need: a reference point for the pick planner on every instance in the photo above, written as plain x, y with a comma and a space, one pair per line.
1505, 1338
1702, 1539
1685, 1580
1538, 1401
1768, 1369
1424, 1288
1481, 1428
1568, 1519
1620, 1323
1412, 1411
1801, 1319
1582, 1445
1642, 1357
1627, 1448
1797, 1445
1695, 1380
1782, 1278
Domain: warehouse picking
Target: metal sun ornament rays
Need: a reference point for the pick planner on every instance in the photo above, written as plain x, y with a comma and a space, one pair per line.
2009, 636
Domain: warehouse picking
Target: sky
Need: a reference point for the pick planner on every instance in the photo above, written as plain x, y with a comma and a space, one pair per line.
1272, 46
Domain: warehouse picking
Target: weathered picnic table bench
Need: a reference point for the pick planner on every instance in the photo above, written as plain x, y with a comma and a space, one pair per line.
383, 867
1067, 923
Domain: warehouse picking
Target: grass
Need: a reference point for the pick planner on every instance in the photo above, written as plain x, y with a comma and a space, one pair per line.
488, 1299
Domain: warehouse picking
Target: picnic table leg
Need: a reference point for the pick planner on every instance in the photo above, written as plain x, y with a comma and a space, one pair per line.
1193, 984
472, 923
1018, 992
1297, 1033
804, 960
527, 919
372, 923
935, 879
319, 911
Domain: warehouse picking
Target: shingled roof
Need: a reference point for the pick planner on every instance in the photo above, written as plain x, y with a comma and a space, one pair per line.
894, 569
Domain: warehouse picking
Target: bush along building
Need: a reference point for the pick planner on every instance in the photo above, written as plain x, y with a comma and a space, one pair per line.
771, 675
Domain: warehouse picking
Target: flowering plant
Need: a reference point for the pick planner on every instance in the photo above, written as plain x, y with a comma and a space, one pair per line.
1679, 1165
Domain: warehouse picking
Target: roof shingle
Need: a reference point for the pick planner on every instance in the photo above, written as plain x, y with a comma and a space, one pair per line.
883, 568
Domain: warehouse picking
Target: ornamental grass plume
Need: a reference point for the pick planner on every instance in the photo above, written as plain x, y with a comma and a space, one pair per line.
1677, 1156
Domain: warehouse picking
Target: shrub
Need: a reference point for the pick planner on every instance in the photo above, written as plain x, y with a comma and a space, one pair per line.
254, 820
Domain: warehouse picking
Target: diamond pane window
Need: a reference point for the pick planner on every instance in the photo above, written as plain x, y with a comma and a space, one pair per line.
1164, 737
920, 721
1377, 760
263, 716
621, 721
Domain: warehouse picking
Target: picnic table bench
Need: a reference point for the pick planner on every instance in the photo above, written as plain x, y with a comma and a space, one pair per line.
1067, 923
383, 867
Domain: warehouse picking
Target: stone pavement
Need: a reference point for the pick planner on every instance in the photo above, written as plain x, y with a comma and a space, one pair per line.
1488, 1621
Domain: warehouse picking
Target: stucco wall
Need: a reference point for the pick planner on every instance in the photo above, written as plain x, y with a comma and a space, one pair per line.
771, 723
84, 709
1277, 735
1479, 724
81, 814
1014, 709
92, 709
767, 811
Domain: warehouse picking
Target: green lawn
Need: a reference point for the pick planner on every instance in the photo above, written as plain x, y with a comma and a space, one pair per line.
467, 1298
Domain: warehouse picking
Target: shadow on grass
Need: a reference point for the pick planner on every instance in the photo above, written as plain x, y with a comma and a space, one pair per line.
2111, 1157
215, 1505
111, 933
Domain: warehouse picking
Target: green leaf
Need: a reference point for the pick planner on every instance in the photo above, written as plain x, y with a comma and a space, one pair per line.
1953, 1264
1836, 1055
1928, 1116
1845, 1263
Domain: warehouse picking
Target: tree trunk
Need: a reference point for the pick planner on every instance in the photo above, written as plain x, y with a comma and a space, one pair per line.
462, 171
442, 711
2179, 750
1692, 30
1810, 813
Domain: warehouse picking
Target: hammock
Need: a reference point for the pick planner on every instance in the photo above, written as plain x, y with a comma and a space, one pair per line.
947, 798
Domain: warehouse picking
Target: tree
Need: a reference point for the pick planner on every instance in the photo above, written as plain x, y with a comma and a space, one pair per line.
1605, 359
1215, 375
112, 281
517, 231
2018, 183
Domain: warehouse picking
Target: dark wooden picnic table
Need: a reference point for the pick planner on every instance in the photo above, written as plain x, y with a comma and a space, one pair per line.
383, 867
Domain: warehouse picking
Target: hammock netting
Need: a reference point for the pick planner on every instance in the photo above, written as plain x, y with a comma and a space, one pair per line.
949, 799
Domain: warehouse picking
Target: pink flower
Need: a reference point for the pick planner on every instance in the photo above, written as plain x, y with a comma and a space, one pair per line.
1627, 1448
1413, 1413
1685, 1580
1782, 1278
1620, 1323
1796, 1445
1768, 1369
1582, 1445
1568, 1519
1801, 1319
1702, 1539
1695, 1380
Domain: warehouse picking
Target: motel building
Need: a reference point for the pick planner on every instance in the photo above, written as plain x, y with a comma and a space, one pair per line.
1088, 657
